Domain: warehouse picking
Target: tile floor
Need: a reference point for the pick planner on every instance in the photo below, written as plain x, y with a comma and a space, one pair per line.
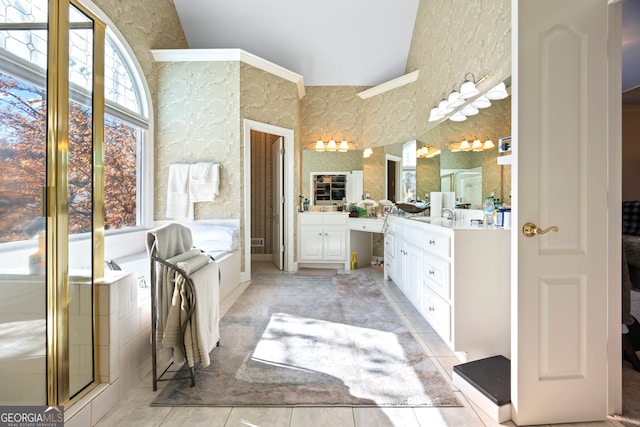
135, 409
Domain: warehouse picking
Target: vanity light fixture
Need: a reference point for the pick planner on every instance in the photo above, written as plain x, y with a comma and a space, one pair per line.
458, 116
367, 153
468, 88
435, 115
499, 91
331, 146
427, 152
481, 102
477, 145
465, 100
443, 108
469, 110
455, 100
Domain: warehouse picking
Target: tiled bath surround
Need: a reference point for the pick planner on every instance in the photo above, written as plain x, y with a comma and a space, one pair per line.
124, 328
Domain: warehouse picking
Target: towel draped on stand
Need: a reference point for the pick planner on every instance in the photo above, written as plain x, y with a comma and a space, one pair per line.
202, 333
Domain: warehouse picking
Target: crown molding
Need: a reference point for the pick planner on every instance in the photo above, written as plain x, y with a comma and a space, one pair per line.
391, 84
219, 55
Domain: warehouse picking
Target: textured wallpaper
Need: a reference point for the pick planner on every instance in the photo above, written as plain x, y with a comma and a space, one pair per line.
198, 120
389, 118
452, 38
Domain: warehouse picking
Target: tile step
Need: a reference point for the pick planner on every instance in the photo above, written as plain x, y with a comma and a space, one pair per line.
487, 382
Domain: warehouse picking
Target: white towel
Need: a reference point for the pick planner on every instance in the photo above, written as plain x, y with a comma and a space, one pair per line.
204, 182
202, 332
178, 204
165, 277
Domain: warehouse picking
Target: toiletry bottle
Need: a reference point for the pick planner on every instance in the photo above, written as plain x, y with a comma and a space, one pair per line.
487, 211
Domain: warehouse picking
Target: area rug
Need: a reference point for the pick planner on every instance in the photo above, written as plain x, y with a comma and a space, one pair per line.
313, 341
326, 272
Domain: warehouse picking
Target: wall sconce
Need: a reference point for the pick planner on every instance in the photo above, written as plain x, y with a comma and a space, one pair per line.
367, 153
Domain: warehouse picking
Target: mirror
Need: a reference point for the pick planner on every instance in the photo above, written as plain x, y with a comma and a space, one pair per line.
327, 162
383, 169
409, 162
472, 175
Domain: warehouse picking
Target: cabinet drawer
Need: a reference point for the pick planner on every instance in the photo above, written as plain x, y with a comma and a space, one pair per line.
436, 275
389, 242
310, 219
335, 219
415, 235
437, 312
438, 244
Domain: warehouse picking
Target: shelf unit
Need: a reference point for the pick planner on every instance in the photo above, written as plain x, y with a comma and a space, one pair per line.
329, 188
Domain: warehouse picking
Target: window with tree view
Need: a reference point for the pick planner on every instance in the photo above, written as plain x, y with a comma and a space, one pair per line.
23, 106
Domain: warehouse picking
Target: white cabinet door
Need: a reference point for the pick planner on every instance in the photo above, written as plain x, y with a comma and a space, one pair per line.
311, 239
412, 274
335, 243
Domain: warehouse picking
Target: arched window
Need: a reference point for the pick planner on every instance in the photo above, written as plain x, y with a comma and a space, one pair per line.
23, 103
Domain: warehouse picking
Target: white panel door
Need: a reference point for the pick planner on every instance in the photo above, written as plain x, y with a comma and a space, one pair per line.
277, 241
559, 298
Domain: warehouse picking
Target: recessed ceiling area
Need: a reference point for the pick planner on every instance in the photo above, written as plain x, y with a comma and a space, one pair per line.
328, 42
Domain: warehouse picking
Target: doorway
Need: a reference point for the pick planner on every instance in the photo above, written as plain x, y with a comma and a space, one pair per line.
393, 176
251, 170
267, 183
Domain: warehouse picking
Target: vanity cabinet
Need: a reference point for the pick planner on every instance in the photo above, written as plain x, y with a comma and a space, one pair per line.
458, 278
322, 238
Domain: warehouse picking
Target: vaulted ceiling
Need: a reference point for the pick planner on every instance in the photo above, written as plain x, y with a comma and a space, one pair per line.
343, 42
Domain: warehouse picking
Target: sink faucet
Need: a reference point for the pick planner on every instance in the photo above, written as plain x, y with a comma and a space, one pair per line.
448, 214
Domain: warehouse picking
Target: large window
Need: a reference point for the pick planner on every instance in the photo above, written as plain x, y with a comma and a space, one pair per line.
23, 107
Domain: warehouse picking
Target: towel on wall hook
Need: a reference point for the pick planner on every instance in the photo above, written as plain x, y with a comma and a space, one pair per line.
189, 184
204, 182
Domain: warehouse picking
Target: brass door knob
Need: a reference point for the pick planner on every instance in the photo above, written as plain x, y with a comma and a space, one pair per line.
530, 229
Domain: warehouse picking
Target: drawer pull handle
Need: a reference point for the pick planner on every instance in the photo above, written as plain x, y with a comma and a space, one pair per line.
431, 309
432, 242
431, 272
